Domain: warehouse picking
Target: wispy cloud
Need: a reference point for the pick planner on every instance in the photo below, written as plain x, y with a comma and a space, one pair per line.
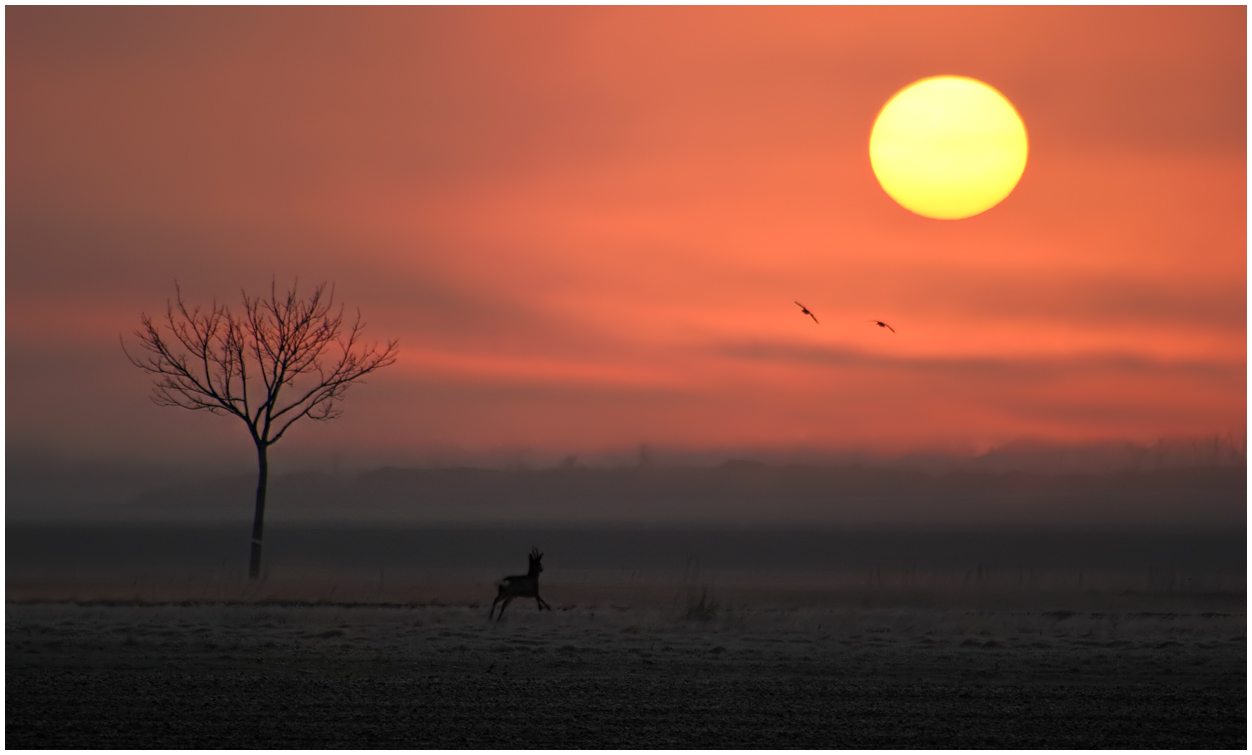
1031, 367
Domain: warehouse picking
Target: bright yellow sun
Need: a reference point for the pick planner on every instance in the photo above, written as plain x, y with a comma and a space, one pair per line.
948, 147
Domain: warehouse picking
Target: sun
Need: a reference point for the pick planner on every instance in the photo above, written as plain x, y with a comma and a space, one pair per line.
948, 147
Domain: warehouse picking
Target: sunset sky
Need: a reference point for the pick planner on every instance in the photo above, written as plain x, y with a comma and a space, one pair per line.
587, 226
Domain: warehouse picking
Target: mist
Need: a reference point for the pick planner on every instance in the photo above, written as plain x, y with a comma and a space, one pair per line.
1172, 483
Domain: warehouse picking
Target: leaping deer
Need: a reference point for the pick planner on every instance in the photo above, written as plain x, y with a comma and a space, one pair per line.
521, 586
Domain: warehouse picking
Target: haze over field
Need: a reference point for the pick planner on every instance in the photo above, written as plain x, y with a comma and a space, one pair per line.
1187, 484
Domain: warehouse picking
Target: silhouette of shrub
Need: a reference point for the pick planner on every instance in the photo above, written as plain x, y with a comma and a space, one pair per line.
704, 609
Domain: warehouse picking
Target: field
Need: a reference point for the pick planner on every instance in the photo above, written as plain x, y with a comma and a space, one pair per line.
626, 662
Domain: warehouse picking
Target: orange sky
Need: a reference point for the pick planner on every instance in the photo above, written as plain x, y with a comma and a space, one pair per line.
587, 225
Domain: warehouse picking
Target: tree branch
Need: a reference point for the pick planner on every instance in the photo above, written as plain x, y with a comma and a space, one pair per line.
242, 365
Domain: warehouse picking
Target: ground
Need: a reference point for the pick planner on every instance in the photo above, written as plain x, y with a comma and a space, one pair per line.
694, 670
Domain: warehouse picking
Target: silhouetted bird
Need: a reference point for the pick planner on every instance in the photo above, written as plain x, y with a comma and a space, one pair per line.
805, 310
882, 324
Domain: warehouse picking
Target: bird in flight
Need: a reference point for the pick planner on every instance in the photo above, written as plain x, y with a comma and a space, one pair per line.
805, 310
882, 324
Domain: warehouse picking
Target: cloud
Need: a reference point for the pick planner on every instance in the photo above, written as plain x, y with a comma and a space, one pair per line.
1027, 367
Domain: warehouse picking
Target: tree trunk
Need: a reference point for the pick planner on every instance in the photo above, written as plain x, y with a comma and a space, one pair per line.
258, 521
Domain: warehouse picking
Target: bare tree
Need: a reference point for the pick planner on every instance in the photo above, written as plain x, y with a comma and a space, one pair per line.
283, 358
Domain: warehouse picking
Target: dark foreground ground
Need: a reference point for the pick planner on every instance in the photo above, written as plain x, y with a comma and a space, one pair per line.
670, 674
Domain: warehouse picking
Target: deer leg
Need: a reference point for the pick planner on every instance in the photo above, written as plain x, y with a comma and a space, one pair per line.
542, 603
504, 606
501, 595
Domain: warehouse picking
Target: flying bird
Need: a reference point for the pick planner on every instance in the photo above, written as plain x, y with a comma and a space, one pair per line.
805, 310
882, 324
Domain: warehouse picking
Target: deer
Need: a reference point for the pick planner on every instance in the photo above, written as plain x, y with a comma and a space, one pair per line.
521, 586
